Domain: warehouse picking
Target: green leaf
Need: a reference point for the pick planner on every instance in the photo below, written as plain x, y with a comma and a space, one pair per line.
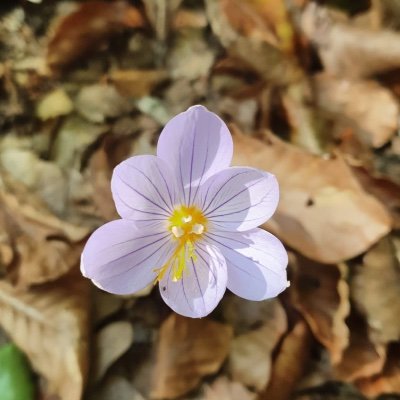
16, 381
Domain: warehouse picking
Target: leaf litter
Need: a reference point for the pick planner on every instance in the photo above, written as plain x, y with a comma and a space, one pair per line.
311, 91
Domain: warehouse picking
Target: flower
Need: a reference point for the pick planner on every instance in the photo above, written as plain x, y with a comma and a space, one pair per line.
189, 222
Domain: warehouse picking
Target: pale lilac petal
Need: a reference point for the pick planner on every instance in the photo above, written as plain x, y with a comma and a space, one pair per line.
144, 190
239, 198
196, 144
256, 262
121, 259
202, 286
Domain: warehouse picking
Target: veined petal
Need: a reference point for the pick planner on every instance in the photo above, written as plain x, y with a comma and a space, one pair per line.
121, 259
239, 198
256, 262
196, 144
202, 285
144, 190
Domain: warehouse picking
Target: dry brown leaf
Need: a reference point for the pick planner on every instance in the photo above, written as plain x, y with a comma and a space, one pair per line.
47, 247
387, 191
321, 294
110, 344
255, 348
376, 292
347, 50
323, 211
224, 389
261, 53
136, 83
88, 28
188, 349
98, 102
386, 382
362, 358
366, 106
50, 325
290, 364
117, 388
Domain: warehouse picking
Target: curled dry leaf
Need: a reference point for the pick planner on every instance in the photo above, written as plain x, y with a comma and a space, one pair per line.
110, 344
224, 389
188, 349
366, 106
47, 247
50, 325
88, 28
323, 211
321, 294
347, 50
255, 348
290, 364
376, 292
361, 359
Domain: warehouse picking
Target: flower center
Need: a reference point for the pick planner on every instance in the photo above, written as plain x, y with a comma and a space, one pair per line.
187, 224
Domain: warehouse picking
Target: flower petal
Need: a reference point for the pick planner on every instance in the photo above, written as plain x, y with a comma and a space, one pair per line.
121, 259
144, 190
202, 285
256, 262
239, 198
196, 144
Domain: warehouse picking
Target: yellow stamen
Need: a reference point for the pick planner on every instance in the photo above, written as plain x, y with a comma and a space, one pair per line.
187, 224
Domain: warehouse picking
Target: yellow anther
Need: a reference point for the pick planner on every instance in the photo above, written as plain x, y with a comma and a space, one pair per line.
198, 229
177, 231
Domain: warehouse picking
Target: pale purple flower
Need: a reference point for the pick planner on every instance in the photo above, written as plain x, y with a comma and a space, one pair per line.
189, 222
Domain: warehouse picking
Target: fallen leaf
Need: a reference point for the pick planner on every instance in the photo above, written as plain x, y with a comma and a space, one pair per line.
98, 102
323, 211
376, 293
88, 28
290, 364
110, 344
386, 382
41, 177
384, 189
361, 359
263, 55
136, 83
54, 104
224, 389
49, 324
188, 349
321, 294
369, 108
255, 348
117, 388
347, 50
244, 315
47, 247
190, 56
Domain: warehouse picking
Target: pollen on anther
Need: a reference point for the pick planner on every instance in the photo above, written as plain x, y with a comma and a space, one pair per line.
177, 231
198, 229
187, 219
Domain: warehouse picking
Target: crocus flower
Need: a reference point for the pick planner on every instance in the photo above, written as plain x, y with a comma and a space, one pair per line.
189, 222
